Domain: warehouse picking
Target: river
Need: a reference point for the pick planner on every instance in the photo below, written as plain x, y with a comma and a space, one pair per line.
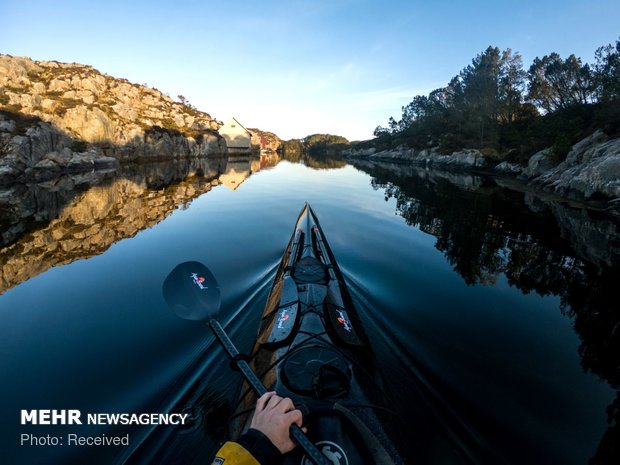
493, 310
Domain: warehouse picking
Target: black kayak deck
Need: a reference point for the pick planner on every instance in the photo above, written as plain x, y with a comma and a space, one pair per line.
312, 348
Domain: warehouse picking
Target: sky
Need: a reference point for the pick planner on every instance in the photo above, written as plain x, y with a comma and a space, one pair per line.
300, 67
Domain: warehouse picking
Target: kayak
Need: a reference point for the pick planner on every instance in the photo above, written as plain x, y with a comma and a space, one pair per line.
312, 348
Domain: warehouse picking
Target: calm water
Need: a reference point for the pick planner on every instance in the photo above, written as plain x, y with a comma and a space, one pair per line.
494, 312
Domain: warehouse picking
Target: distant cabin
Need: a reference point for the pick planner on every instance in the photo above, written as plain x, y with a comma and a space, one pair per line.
238, 139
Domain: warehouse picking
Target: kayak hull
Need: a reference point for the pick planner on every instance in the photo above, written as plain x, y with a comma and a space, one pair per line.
312, 348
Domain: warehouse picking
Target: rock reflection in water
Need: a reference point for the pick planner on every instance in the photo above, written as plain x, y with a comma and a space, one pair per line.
75, 217
539, 244
80, 215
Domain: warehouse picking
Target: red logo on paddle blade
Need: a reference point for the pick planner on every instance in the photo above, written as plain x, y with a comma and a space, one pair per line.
198, 280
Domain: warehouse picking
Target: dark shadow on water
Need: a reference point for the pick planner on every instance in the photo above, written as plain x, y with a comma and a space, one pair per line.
540, 245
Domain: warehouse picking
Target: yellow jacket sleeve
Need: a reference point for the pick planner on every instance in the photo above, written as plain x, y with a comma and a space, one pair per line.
232, 453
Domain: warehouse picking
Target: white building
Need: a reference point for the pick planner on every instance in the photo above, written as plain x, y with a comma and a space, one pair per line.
238, 139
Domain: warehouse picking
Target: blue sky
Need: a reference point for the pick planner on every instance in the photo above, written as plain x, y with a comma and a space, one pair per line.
300, 67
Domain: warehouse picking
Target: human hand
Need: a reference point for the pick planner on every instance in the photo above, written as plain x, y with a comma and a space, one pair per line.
273, 417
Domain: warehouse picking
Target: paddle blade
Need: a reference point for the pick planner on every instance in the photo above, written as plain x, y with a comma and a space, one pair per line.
192, 292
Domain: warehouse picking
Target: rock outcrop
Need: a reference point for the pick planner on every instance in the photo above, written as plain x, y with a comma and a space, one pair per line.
42, 152
91, 106
508, 168
264, 140
66, 117
464, 159
591, 170
539, 164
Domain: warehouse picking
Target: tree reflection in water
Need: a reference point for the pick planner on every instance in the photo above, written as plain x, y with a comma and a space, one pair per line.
485, 232
540, 246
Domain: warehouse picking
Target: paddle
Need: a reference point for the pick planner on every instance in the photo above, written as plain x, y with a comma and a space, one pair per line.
192, 292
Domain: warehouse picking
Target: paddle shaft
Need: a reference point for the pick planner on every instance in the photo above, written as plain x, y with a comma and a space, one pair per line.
296, 433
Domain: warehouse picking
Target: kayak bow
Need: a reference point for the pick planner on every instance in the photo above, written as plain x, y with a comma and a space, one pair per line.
312, 348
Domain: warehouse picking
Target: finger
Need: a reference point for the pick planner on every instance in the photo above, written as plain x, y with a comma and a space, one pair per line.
294, 416
273, 401
286, 405
261, 403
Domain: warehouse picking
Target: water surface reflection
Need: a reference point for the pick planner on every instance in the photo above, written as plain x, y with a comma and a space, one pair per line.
539, 244
492, 309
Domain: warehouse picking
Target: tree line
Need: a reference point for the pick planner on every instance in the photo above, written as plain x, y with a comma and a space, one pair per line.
315, 144
497, 106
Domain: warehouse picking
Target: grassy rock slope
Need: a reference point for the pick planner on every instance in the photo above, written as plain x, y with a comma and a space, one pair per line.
71, 109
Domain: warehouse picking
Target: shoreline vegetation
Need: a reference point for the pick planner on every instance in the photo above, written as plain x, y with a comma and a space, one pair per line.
496, 106
555, 127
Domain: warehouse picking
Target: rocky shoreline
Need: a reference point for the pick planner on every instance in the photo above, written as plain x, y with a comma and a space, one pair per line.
42, 151
61, 118
58, 118
590, 172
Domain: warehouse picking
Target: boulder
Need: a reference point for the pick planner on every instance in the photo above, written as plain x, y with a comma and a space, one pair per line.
465, 158
592, 169
398, 154
508, 168
585, 149
15, 70
61, 158
90, 84
48, 104
7, 125
125, 111
41, 140
58, 85
39, 87
103, 162
91, 125
539, 164
598, 174
80, 161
